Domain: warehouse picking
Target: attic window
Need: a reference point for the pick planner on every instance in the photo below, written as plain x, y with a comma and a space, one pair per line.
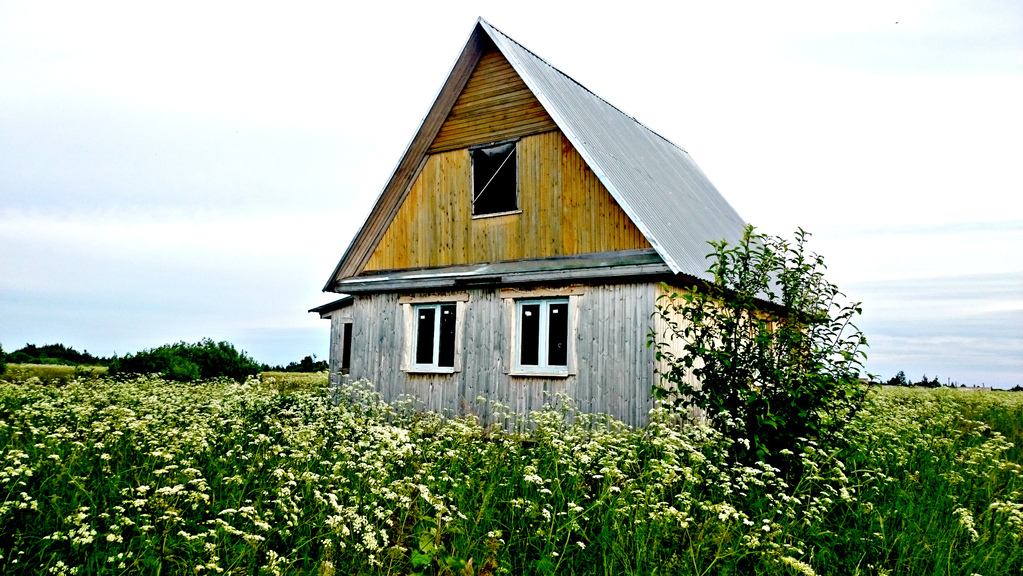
493, 180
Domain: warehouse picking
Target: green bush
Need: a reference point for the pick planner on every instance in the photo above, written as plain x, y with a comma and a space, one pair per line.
776, 356
189, 362
3, 361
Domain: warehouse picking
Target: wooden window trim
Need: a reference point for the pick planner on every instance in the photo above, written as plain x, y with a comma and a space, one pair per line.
434, 298
539, 293
496, 214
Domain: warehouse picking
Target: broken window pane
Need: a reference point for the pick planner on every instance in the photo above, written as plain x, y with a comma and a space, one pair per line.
493, 180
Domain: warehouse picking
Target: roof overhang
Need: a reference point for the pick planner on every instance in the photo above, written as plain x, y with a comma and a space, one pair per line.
582, 268
325, 310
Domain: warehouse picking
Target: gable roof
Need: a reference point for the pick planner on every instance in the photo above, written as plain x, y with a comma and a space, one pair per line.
655, 182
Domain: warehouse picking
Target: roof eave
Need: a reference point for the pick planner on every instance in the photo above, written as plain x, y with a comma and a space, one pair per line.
408, 167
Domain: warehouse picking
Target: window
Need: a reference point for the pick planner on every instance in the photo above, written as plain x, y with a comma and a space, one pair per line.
493, 180
434, 338
542, 336
433, 332
346, 348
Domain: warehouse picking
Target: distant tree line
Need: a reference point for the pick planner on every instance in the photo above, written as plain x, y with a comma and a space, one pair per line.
55, 354
308, 364
181, 361
900, 379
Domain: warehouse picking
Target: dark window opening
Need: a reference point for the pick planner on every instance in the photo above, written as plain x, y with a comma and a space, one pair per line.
346, 348
446, 354
424, 341
530, 347
493, 180
557, 339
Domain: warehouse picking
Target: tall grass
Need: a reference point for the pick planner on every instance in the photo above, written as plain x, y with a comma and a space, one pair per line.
147, 476
939, 482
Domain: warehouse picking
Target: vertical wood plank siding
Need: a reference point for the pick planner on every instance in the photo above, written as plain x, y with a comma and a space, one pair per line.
615, 368
565, 211
495, 104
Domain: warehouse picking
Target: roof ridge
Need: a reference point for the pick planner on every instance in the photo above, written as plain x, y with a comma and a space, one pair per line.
579, 84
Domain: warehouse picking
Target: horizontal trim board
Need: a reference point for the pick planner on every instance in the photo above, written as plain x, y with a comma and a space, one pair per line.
591, 275
432, 298
516, 293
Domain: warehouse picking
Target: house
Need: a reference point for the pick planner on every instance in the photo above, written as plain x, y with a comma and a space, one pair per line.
518, 248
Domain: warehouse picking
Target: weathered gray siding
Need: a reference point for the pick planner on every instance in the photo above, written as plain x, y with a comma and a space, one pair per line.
614, 369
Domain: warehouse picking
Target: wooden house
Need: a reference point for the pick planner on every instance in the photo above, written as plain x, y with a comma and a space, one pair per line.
518, 247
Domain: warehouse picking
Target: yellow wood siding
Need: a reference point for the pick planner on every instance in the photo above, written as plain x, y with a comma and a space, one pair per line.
495, 104
565, 211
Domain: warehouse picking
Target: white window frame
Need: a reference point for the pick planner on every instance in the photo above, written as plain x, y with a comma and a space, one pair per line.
434, 365
411, 306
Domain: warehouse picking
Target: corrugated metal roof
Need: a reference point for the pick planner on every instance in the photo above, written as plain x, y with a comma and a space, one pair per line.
656, 182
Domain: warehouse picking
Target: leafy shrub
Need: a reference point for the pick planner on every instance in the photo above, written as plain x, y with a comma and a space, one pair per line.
188, 362
776, 357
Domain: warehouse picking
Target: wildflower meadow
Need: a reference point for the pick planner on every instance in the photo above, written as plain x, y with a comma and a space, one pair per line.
109, 475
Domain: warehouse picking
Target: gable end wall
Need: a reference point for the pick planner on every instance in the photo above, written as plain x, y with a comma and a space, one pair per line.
565, 211
494, 105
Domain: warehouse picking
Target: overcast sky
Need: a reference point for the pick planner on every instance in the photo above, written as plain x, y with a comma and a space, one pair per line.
184, 170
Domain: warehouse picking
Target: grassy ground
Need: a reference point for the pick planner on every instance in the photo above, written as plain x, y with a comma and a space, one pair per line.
291, 381
270, 477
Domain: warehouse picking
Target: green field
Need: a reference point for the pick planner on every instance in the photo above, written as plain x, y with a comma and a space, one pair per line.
50, 373
106, 476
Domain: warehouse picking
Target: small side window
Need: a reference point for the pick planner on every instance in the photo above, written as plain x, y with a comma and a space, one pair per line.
434, 338
346, 348
494, 188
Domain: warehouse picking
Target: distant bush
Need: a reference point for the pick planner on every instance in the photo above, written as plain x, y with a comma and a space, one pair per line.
899, 380
3, 361
188, 362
